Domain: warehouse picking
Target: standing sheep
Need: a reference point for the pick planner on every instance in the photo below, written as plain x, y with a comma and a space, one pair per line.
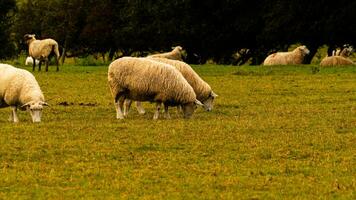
294, 57
41, 50
175, 54
335, 61
19, 89
141, 79
202, 89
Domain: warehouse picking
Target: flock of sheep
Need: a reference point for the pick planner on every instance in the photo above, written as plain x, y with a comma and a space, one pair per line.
159, 78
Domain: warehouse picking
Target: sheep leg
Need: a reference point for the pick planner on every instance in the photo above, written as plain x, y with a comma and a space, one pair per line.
139, 108
166, 113
39, 65
158, 108
127, 106
57, 64
13, 116
119, 106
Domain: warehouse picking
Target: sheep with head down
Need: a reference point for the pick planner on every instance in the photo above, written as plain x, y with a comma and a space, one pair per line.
19, 89
41, 50
202, 89
175, 54
294, 57
141, 79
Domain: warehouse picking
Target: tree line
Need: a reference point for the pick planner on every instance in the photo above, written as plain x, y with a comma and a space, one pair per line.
210, 29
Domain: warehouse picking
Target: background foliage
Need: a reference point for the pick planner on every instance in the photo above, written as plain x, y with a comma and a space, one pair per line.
208, 29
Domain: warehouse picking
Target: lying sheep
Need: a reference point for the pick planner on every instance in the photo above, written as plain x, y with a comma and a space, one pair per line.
19, 89
202, 90
294, 57
141, 79
175, 54
29, 61
335, 61
41, 50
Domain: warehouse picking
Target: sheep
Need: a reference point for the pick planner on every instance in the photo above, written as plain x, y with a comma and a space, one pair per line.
19, 89
344, 52
336, 60
141, 79
294, 57
41, 50
175, 54
29, 60
202, 90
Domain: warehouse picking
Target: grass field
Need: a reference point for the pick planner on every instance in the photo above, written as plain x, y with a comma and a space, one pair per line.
275, 133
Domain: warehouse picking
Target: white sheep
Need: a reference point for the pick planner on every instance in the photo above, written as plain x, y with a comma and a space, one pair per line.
175, 54
202, 89
42, 50
141, 79
29, 61
19, 89
294, 57
335, 61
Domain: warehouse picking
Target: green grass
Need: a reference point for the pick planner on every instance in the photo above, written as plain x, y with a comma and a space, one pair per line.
284, 132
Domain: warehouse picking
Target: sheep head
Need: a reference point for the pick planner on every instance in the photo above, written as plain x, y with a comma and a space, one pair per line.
208, 103
304, 50
189, 108
29, 38
35, 108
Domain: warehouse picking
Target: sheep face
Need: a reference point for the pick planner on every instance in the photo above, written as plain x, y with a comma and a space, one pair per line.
189, 108
304, 50
208, 103
35, 109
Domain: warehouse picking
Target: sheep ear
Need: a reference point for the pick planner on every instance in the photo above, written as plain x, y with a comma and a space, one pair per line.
197, 102
213, 94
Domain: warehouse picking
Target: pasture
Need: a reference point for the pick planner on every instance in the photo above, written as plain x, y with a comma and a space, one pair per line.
283, 132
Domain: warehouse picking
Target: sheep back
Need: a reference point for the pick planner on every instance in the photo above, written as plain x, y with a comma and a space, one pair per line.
200, 87
141, 79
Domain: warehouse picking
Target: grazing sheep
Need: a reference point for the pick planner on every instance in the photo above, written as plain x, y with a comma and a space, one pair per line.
29, 60
202, 90
175, 54
336, 60
294, 57
19, 89
141, 79
41, 50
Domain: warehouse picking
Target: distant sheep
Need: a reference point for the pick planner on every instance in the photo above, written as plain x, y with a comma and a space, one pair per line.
335, 61
175, 54
344, 52
141, 79
294, 57
29, 61
19, 89
42, 50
